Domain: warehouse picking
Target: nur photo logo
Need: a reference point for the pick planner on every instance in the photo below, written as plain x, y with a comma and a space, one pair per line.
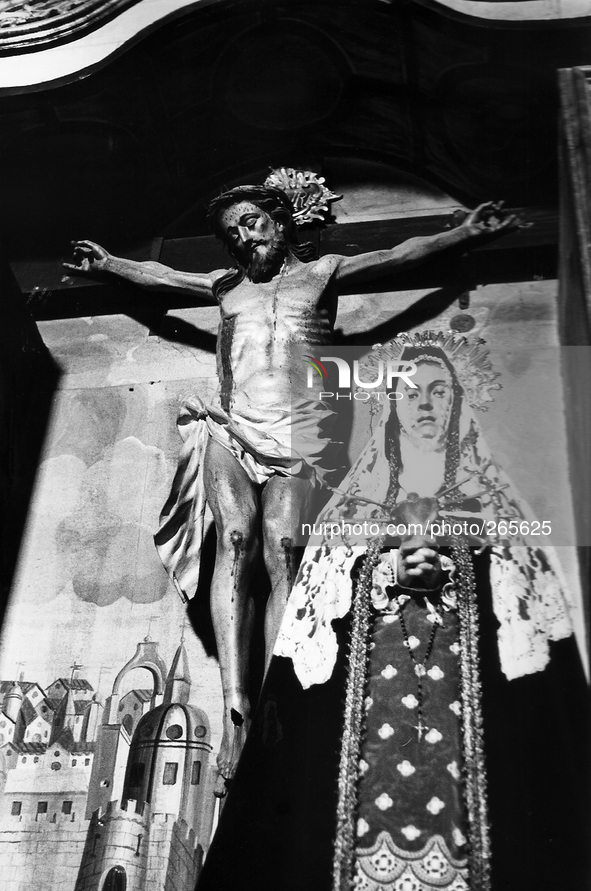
386, 376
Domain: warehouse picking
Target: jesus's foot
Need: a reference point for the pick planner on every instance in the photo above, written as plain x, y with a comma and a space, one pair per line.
236, 726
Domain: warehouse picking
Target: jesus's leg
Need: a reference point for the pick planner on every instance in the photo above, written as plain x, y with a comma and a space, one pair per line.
232, 497
284, 501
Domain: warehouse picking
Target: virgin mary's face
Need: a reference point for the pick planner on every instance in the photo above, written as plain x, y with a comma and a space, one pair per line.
424, 412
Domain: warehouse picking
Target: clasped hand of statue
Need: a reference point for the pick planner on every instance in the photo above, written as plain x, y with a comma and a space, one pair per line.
419, 565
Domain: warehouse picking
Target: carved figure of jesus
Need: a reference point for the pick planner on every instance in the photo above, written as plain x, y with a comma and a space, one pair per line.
275, 298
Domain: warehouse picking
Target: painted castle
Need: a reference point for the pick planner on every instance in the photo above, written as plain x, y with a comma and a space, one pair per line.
113, 797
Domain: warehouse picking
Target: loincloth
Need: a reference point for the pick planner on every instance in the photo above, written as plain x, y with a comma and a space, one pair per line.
274, 441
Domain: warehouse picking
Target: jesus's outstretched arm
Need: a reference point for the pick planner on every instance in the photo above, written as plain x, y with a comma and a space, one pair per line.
486, 220
91, 258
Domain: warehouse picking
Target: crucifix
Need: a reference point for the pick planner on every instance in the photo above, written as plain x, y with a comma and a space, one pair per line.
279, 294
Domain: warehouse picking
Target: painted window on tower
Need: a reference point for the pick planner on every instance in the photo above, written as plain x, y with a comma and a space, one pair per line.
170, 772
175, 731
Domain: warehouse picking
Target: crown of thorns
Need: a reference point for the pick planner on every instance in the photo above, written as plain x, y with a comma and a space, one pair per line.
259, 195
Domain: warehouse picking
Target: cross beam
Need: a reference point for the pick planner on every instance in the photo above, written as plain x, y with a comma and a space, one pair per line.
522, 255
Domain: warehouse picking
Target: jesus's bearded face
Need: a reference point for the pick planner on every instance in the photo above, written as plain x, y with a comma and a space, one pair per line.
255, 239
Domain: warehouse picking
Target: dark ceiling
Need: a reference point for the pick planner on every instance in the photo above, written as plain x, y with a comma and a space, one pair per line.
220, 95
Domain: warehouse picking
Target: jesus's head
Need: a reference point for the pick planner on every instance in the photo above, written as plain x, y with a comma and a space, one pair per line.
255, 223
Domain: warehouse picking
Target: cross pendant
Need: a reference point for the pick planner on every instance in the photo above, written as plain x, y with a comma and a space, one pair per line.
420, 728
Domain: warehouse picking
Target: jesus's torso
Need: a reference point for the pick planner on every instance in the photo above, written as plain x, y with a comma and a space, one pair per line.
266, 326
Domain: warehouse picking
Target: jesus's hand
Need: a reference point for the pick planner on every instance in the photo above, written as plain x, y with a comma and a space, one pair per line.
491, 218
89, 258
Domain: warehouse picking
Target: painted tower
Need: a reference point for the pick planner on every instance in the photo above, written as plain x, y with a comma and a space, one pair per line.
114, 736
168, 765
156, 838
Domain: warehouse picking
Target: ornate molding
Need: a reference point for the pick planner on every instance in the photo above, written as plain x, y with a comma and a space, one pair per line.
31, 25
514, 11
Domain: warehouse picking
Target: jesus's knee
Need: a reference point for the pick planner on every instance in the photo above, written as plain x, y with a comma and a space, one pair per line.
238, 538
276, 535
